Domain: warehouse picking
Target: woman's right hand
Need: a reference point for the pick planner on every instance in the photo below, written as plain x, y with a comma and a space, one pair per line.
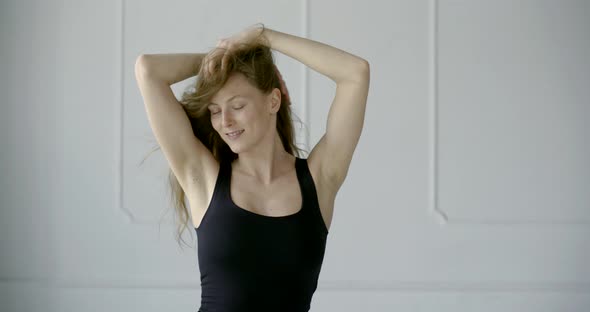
225, 46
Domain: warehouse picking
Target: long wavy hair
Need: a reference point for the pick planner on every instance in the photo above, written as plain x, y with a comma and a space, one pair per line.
256, 62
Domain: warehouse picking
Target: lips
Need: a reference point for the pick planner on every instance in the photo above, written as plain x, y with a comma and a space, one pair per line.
234, 133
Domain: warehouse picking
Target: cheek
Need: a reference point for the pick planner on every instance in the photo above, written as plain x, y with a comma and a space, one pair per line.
215, 123
245, 118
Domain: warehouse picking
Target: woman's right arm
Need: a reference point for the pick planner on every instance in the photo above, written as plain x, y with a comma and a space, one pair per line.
189, 159
169, 68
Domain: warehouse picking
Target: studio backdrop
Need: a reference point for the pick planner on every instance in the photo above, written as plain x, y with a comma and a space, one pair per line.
469, 189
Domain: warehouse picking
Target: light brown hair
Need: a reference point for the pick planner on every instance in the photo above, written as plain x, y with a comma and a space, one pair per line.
256, 62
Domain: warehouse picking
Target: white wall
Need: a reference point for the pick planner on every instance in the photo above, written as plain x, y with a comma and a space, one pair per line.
469, 189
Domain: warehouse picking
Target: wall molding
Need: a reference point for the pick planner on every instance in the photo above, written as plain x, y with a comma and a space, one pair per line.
332, 286
441, 217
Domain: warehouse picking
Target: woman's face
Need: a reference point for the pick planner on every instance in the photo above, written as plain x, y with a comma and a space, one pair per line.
239, 106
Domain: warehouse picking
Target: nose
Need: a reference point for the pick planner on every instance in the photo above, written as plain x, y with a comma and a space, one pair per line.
226, 119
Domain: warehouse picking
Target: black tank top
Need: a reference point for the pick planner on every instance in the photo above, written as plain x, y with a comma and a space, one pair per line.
252, 262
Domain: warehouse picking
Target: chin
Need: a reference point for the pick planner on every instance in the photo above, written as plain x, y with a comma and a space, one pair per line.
237, 149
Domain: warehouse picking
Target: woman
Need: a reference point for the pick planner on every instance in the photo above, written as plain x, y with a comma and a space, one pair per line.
261, 213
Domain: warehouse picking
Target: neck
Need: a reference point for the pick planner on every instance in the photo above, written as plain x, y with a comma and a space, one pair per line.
265, 162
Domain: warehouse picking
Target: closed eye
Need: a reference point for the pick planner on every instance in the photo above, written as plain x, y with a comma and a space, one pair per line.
236, 108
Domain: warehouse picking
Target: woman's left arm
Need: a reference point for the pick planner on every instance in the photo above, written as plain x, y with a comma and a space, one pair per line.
334, 150
347, 112
329, 61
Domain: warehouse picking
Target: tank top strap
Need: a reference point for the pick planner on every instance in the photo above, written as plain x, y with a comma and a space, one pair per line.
224, 178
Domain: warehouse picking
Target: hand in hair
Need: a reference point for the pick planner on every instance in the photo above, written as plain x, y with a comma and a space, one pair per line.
225, 46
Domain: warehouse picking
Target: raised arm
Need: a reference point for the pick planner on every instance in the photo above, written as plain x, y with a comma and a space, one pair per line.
336, 64
351, 73
333, 153
170, 68
188, 158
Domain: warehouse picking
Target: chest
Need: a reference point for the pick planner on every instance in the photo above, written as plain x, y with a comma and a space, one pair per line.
283, 197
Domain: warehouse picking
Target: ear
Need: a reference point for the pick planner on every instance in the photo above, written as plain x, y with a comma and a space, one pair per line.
275, 100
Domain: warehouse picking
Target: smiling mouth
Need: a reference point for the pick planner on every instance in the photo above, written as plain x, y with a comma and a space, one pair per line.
235, 133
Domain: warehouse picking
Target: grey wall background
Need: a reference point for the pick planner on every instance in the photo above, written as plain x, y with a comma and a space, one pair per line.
469, 189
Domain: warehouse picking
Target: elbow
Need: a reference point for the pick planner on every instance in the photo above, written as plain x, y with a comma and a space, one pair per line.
142, 68
364, 64
362, 72
365, 68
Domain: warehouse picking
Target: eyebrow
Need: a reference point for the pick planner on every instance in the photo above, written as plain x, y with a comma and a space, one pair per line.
230, 99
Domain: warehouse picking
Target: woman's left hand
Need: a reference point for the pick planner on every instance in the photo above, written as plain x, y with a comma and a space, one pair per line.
227, 45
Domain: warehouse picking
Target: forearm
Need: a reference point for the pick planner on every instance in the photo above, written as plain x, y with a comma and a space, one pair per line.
170, 68
332, 62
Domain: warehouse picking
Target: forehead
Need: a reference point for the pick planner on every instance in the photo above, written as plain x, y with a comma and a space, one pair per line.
236, 87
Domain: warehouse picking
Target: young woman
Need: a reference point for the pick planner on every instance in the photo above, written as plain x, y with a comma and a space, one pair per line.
261, 213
